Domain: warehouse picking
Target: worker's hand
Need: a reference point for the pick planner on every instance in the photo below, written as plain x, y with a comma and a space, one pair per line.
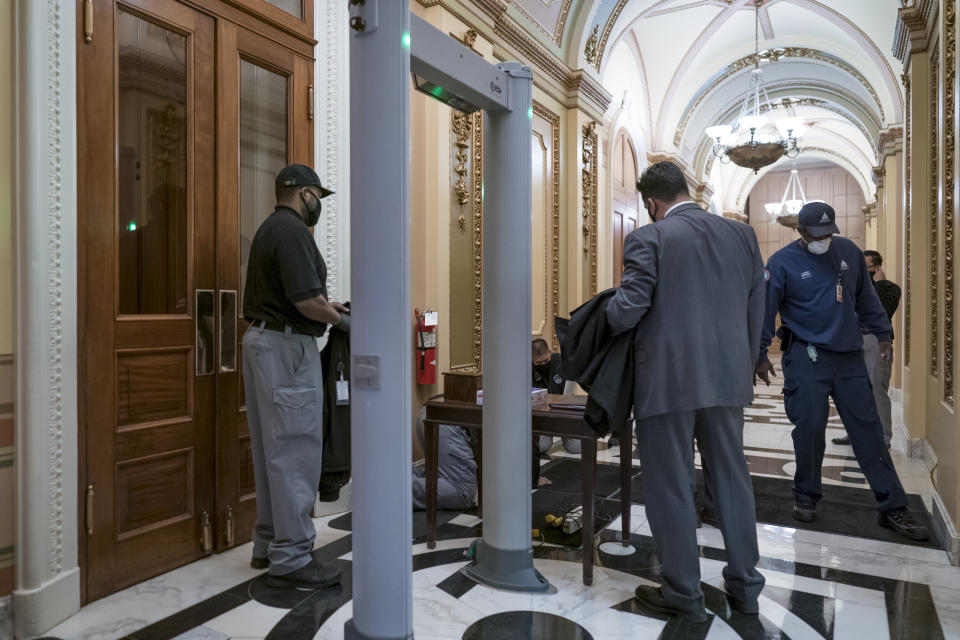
765, 371
879, 275
340, 307
886, 353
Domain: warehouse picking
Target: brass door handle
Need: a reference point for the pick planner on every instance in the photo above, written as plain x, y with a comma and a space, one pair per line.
90, 495
88, 21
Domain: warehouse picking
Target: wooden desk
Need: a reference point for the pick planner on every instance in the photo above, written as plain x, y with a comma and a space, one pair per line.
566, 423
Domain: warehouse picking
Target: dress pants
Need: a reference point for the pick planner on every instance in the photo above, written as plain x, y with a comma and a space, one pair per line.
284, 395
544, 444
807, 385
456, 470
880, 379
665, 443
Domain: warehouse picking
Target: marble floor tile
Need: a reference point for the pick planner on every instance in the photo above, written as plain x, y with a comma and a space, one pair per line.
202, 633
250, 620
856, 621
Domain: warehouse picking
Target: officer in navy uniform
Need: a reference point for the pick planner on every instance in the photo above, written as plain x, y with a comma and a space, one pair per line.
285, 300
820, 287
548, 374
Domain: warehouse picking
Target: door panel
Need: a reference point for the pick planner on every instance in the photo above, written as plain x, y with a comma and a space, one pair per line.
185, 118
268, 129
146, 206
625, 197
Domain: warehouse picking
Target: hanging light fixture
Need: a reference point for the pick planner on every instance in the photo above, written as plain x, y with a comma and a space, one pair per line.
745, 143
786, 211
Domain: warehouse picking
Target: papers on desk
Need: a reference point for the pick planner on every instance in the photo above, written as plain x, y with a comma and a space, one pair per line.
537, 396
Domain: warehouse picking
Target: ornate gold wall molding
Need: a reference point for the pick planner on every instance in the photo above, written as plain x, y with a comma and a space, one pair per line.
553, 266
934, 217
949, 168
907, 215
889, 141
477, 128
460, 125
589, 178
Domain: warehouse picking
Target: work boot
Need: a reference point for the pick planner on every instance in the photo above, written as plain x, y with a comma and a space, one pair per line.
903, 523
259, 563
845, 440
652, 598
312, 575
804, 510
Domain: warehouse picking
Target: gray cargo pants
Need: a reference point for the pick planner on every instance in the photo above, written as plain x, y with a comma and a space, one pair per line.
879, 375
284, 396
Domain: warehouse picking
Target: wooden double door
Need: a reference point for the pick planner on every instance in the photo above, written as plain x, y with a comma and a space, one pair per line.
626, 216
186, 112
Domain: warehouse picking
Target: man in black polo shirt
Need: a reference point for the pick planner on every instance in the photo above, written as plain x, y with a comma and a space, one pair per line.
285, 299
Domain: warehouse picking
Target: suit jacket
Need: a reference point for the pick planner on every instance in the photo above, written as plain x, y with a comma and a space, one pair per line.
603, 365
693, 290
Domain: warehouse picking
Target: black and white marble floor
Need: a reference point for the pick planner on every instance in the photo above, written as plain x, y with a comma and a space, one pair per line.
819, 585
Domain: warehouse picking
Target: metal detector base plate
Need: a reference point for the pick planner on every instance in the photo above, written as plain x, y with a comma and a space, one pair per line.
510, 570
617, 549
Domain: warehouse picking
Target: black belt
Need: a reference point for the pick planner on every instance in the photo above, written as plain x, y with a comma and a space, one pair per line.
276, 326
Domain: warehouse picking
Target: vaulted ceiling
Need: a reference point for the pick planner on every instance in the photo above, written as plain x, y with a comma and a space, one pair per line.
686, 64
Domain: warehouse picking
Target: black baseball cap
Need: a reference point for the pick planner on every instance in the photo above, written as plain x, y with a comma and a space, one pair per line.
818, 219
300, 175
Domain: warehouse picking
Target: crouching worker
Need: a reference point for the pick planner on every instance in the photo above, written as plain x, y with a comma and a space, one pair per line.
456, 469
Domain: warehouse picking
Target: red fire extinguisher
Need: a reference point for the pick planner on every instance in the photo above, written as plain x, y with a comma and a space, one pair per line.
426, 344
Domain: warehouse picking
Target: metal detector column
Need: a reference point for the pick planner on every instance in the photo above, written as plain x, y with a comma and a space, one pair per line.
504, 557
381, 366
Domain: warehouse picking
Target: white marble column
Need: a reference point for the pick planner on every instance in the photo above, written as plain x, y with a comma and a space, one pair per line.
47, 576
332, 141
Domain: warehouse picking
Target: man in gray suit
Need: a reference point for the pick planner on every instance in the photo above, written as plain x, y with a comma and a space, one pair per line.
693, 289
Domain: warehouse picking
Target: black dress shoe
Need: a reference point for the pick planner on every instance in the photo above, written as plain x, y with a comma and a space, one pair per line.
613, 441
259, 563
903, 523
804, 510
739, 604
652, 598
310, 576
844, 440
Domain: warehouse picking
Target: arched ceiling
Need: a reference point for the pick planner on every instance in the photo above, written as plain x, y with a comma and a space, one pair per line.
830, 59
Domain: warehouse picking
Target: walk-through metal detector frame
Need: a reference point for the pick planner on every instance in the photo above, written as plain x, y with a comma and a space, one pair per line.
386, 44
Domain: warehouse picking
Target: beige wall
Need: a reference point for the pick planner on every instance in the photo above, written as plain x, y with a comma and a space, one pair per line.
831, 184
930, 413
7, 475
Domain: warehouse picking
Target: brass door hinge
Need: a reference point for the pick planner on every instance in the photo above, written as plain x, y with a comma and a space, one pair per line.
230, 532
206, 540
90, 509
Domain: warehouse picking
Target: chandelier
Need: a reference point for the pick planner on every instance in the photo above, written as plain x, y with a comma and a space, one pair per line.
786, 211
746, 143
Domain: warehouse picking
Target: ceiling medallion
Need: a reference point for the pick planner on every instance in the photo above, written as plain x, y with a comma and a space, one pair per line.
748, 143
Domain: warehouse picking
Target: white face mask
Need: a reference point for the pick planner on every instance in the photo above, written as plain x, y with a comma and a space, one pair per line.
819, 247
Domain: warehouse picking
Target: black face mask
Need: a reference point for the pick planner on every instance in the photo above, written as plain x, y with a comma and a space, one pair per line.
542, 371
313, 213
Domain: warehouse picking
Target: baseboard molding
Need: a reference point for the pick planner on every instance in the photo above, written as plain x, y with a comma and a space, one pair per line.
39, 610
945, 530
6, 617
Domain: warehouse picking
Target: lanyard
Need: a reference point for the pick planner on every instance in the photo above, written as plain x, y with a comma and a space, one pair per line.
833, 259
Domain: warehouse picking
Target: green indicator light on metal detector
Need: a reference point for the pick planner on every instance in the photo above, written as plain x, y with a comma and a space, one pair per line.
436, 91
530, 113
406, 40
132, 226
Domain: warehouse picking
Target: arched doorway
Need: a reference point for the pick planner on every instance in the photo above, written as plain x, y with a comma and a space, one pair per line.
625, 202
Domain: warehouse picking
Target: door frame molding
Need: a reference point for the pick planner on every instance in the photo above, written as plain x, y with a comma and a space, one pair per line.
47, 587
